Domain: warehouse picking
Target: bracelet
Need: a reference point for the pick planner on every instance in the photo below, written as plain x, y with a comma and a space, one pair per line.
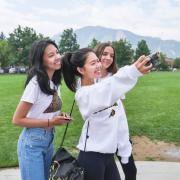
48, 122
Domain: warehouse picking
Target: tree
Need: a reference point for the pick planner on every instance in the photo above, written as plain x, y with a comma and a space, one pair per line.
5, 54
68, 42
93, 43
142, 49
2, 36
124, 52
20, 41
163, 66
177, 63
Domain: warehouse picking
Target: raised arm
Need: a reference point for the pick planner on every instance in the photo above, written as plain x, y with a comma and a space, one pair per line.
91, 99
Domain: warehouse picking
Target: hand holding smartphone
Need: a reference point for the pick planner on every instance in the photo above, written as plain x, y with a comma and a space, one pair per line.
66, 116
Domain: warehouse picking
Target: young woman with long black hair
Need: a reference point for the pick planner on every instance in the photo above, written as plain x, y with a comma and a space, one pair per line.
98, 105
39, 111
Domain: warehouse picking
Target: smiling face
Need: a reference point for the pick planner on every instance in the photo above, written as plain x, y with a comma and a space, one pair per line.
91, 68
107, 57
51, 58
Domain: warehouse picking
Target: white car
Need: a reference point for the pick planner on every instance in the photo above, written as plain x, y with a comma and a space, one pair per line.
1, 71
12, 70
22, 70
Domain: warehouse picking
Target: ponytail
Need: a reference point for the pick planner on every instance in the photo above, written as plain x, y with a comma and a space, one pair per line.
70, 62
68, 72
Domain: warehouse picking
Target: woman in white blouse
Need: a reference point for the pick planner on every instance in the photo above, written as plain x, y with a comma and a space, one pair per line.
99, 108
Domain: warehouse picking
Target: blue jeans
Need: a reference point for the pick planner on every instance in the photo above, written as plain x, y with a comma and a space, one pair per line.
35, 151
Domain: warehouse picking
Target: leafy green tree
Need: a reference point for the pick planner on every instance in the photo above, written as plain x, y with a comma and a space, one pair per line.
68, 41
20, 41
93, 43
5, 54
142, 49
2, 36
163, 66
177, 63
124, 52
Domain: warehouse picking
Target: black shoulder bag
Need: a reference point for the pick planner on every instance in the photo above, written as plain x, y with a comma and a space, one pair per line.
64, 166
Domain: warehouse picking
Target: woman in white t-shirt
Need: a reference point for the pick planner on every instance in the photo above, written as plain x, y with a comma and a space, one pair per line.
107, 56
39, 111
99, 107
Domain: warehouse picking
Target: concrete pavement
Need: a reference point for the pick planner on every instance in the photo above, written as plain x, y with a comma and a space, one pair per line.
155, 170
147, 170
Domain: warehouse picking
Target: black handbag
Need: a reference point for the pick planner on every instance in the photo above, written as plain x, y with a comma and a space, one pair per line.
64, 166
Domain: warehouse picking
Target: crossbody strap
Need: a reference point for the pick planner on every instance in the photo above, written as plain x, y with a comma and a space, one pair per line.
87, 136
67, 126
62, 141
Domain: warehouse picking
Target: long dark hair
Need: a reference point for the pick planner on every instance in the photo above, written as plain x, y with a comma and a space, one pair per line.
99, 49
37, 68
70, 62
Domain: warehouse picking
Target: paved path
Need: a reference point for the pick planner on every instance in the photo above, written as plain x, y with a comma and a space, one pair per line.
147, 170
153, 170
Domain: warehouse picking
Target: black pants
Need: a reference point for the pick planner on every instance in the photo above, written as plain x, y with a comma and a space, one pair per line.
98, 166
129, 169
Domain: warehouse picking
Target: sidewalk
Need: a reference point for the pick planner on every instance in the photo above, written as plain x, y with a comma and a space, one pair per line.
147, 170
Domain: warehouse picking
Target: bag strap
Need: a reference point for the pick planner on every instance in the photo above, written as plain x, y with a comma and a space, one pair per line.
67, 126
86, 136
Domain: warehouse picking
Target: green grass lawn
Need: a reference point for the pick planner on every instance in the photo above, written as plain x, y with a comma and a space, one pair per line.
152, 108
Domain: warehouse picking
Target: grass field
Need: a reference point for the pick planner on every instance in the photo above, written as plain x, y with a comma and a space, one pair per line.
152, 108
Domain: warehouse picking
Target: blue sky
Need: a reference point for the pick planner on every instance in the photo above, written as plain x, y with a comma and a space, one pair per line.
157, 18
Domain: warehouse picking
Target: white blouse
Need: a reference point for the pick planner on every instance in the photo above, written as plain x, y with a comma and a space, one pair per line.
99, 105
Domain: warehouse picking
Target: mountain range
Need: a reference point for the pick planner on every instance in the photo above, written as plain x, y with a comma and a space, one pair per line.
85, 35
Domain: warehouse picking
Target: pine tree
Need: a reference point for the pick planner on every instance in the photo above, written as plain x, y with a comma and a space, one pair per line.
68, 41
124, 52
142, 49
93, 43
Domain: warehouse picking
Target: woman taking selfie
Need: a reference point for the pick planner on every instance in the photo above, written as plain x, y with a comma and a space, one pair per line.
99, 107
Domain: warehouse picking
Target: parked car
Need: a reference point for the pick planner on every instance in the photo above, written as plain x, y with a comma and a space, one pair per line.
6, 69
1, 71
22, 69
12, 70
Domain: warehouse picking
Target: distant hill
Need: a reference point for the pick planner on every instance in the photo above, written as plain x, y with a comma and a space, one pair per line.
84, 36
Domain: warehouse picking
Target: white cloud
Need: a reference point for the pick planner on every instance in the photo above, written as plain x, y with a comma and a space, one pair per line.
159, 18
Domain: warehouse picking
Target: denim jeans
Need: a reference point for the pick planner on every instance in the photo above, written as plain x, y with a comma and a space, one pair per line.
35, 151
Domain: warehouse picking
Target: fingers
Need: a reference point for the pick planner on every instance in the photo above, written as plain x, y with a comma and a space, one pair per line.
61, 119
140, 59
64, 114
64, 118
61, 113
149, 67
145, 61
141, 64
146, 69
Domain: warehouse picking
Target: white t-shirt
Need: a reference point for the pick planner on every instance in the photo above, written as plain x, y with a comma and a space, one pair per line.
44, 106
